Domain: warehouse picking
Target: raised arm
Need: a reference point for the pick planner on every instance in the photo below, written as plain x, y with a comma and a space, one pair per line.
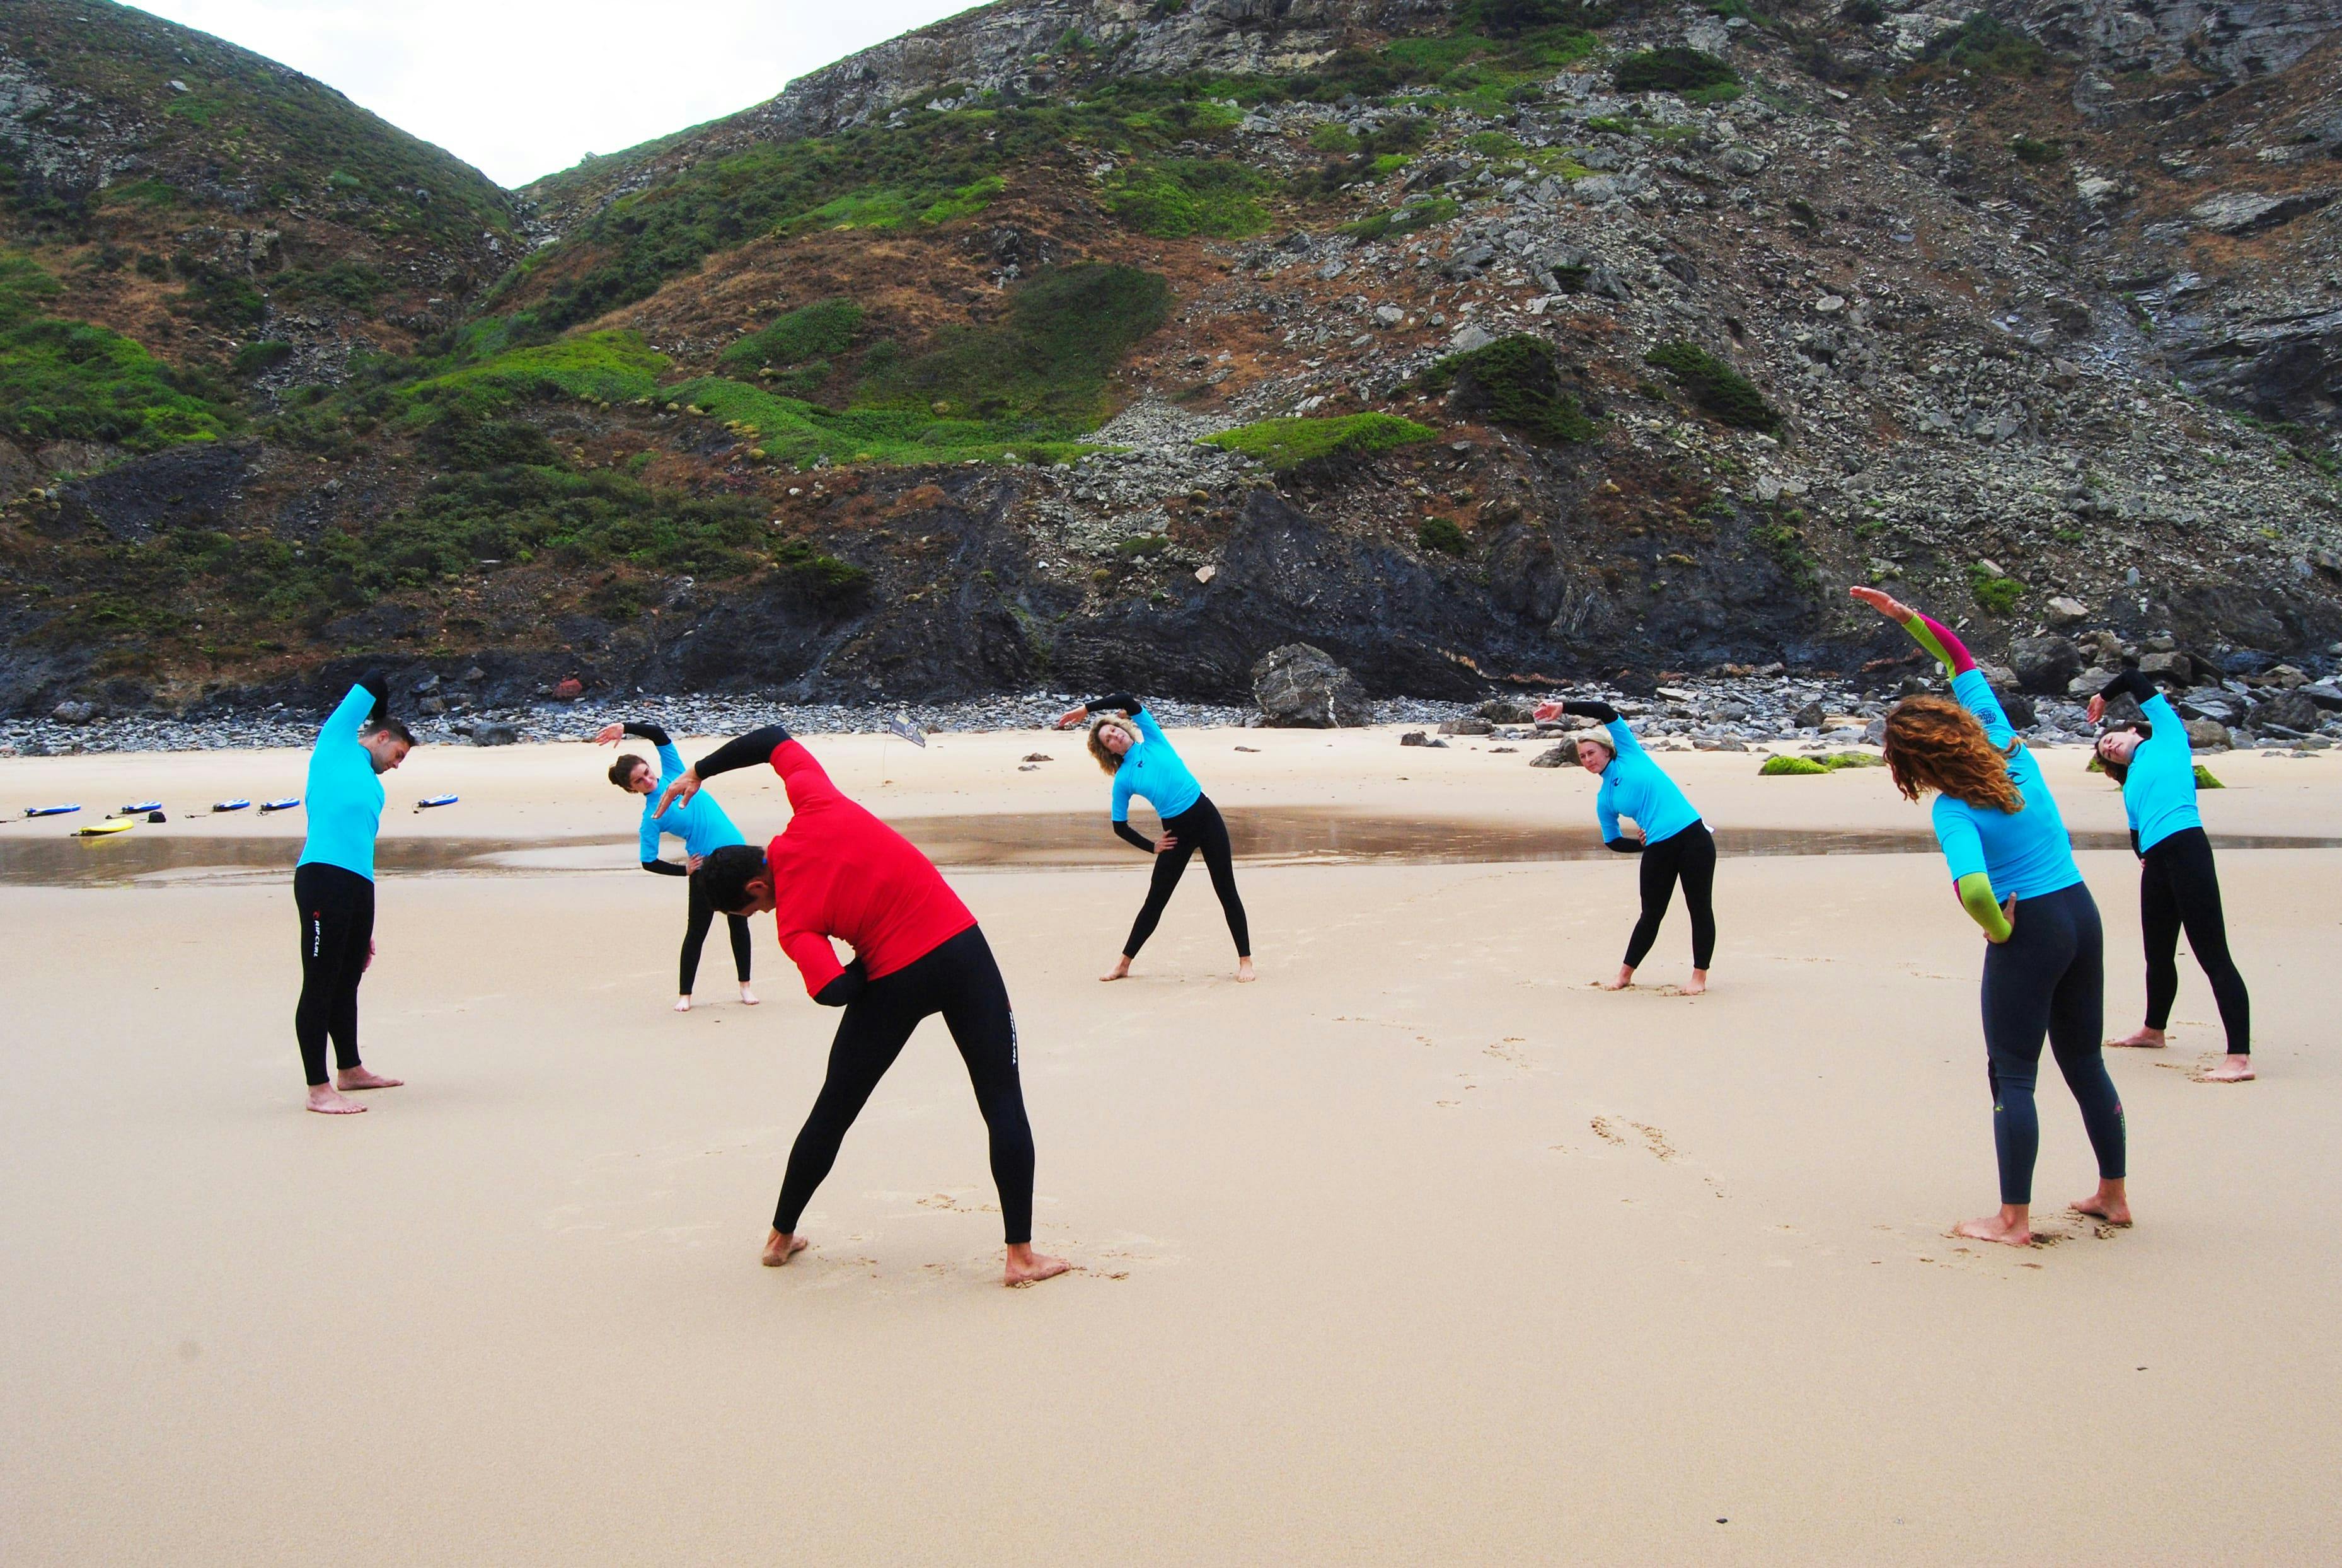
755, 746
1937, 639
1969, 687
1120, 702
1610, 719
366, 702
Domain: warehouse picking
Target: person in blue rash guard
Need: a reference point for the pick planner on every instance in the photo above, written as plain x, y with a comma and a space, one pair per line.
700, 823
1675, 843
1127, 743
2178, 887
333, 886
2012, 864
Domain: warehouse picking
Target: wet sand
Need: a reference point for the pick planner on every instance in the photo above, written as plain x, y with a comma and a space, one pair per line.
1419, 1251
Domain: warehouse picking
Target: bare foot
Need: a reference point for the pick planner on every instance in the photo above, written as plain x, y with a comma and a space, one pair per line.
2145, 1040
328, 1101
2109, 1204
2227, 1070
1625, 978
1699, 986
779, 1249
1121, 970
1245, 975
747, 997
683, 1005
350, 1078
2012, 1227
1027, 1267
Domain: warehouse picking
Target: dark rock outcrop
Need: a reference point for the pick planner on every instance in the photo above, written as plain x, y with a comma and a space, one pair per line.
1301, 687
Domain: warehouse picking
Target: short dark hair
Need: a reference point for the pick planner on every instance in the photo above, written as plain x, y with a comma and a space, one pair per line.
724, 876
395, 729
621, 772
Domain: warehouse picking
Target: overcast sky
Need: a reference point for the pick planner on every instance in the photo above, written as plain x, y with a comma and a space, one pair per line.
519, 88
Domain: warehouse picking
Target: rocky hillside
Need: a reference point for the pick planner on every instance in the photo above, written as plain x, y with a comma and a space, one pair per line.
1082, 341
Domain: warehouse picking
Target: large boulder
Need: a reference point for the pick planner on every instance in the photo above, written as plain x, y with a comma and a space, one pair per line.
2222, 707
2207, 734
2288, 710
1300, 687
2046, 664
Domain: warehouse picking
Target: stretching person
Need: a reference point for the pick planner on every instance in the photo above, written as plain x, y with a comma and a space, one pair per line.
704, 829
1675, 843
2013, 865
839, 871
1143, 764
333, 884
2178, 885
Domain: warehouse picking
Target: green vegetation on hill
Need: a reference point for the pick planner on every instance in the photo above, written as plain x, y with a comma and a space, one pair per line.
1404, 221
68, 380
792, 355
1282, 443
1983, 44
1067, 329
598, 367
1992, 591
1714, 385
235, 128
937, 167
1513, 381
1026, 385
1687, 72
1175, 198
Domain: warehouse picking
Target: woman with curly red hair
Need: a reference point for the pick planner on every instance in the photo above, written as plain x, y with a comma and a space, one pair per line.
2013, 865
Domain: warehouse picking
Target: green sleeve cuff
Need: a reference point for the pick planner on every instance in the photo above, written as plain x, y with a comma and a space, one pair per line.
1976, 898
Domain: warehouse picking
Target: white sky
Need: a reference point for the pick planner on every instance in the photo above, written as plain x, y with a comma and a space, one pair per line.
519, 88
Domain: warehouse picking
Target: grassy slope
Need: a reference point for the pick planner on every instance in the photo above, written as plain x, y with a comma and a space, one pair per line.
243, 125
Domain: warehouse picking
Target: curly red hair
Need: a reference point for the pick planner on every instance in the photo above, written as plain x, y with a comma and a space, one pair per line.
1933, 743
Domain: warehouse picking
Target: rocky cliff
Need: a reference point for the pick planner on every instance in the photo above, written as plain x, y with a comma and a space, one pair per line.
1065, 342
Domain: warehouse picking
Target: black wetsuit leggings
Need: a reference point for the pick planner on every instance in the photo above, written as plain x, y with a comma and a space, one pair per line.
2049, 978
1197, 827
2178, 888
695, 934
1690, 857
959, 979
336, 909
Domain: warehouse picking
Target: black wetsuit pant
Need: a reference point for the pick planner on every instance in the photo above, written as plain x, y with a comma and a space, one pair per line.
1199, 827
959, 979
1689, 857
2178, 889
2049, 978
336, 908
694, 935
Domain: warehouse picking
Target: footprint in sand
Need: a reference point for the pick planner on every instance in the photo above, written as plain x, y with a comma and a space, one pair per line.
1606, 1132
1654, 1140
1502, 1051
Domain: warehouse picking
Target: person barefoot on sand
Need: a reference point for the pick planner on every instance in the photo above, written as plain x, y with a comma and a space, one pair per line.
1675, 843
2178, 885
838, 871
2013, 865
1143, 763
333, 888
704, 829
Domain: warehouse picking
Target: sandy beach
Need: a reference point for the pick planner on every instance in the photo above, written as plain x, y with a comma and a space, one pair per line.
1419, 1251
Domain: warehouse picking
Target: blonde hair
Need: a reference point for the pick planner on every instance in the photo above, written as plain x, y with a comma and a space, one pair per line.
1099, 725
1596, 738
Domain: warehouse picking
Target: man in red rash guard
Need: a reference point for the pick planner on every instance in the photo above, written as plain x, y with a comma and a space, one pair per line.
838, 871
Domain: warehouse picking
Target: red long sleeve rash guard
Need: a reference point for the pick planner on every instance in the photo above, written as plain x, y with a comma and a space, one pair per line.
839, 871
